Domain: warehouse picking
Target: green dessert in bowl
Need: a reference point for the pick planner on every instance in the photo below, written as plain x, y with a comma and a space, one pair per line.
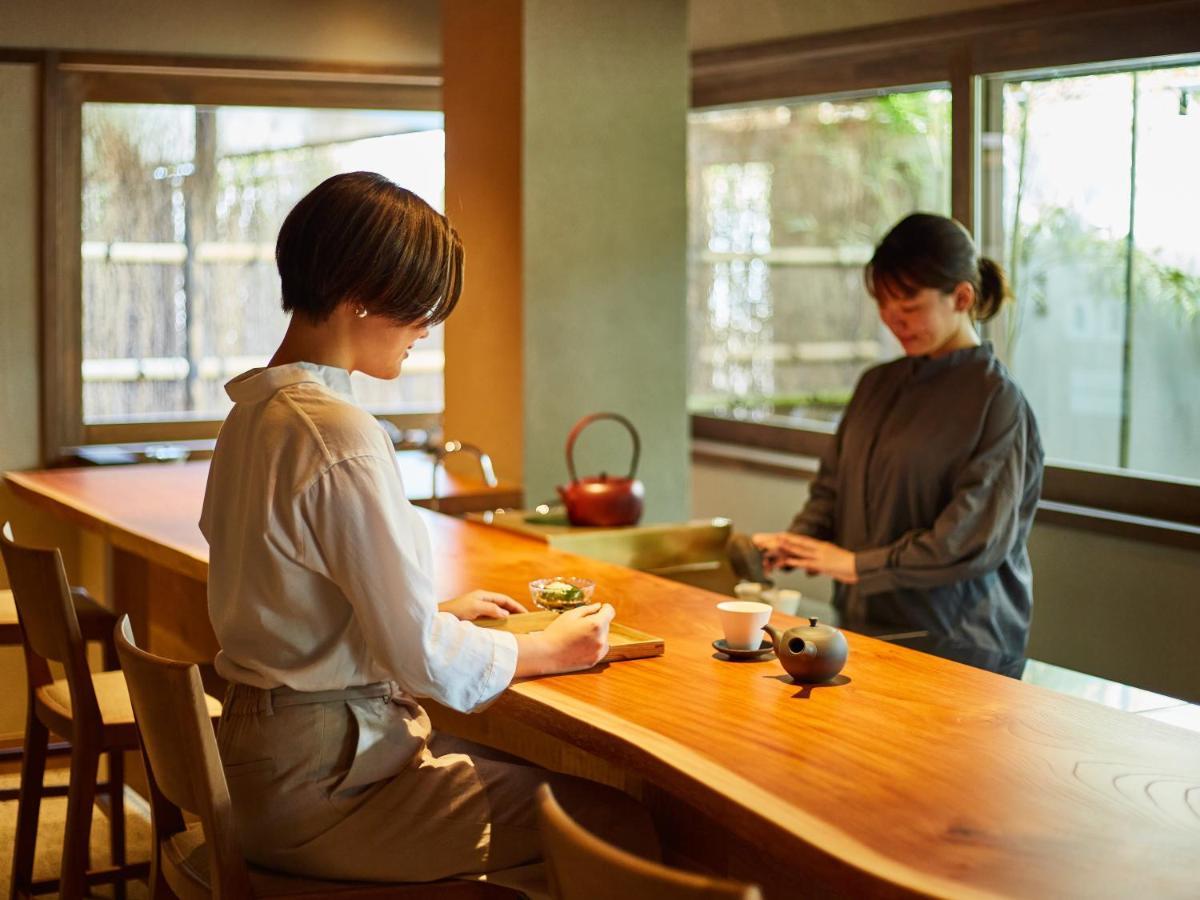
561, 592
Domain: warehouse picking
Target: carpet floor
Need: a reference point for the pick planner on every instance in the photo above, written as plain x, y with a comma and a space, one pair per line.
51, 824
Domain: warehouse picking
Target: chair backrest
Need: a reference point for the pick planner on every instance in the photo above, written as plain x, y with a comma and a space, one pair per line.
182, 761
581, 865
49, 626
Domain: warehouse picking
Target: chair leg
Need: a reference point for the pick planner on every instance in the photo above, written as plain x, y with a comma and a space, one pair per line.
33, 770
116, 822
159, 889
77, 839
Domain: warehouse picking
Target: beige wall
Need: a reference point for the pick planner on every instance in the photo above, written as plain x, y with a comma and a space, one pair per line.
1120, 609
18, 321
378, 32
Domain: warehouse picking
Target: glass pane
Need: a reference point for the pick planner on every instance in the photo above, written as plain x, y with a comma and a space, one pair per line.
1092, 209
786, 202
181, 207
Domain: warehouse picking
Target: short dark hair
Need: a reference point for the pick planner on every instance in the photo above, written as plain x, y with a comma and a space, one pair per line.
925, 250
359, 237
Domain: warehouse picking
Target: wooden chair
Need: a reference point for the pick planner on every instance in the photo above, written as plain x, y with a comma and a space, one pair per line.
95, 624
91, 710
580, 866
183, 768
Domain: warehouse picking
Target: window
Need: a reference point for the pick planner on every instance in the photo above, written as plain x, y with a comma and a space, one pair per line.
1065, 137
181, 207
786, 201
1093, 214
165, 183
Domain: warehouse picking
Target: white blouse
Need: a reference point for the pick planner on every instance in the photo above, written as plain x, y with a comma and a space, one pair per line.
320, 568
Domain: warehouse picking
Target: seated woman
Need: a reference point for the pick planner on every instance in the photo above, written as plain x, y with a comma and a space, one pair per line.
923, 503
321, 588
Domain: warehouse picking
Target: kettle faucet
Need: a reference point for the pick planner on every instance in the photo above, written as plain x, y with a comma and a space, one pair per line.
439, 456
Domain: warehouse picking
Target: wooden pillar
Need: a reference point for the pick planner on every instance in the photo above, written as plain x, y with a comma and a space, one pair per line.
565, 173
481, 62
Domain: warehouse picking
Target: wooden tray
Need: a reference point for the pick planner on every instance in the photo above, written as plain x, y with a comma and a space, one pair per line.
623, 642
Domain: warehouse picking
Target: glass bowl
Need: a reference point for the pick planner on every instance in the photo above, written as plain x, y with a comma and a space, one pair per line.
561, 592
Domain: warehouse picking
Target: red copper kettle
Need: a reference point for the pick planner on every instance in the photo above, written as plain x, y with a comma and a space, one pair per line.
602, 499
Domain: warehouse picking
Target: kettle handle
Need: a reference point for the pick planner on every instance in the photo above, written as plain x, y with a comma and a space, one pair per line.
588, 420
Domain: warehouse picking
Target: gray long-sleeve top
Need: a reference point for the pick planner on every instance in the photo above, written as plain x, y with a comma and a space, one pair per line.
932, 480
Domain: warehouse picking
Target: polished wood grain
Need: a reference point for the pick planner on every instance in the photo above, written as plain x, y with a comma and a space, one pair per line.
926, 775
154, 509
623, 642
911, 775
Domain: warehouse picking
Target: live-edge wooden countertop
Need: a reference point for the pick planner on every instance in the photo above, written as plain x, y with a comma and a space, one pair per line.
914, 775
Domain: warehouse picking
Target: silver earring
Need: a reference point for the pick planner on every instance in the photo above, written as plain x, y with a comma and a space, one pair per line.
360, 312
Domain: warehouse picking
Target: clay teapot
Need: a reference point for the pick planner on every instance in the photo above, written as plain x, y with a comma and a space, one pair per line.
602, 499
811, 653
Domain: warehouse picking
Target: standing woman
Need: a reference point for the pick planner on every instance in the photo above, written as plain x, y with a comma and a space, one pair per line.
923, 503
321, 589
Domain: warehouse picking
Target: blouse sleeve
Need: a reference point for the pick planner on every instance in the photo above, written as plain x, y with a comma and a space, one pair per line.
978, 528
817, 518
357, 537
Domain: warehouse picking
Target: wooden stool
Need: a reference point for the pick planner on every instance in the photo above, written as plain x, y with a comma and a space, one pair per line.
583, 867
95, 624
183, 767
91, 710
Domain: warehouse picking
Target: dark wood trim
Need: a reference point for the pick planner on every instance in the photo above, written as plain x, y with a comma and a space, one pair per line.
1130, 501
176, 430
140, 78
1136, 495
1139, 528
927, 50
796, 441
62, 388
243, 89
20, 55
758, 462
964, 143
287, 68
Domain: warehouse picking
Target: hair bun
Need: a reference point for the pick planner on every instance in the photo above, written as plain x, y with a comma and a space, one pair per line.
993, 289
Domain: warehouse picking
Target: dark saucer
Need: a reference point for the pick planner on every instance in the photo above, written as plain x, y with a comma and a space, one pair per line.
764, 651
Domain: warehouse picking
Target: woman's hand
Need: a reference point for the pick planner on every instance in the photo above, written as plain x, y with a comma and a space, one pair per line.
816, 557
576, 639
769, 544
482, 605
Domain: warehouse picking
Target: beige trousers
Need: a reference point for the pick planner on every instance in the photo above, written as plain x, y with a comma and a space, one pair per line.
354, 785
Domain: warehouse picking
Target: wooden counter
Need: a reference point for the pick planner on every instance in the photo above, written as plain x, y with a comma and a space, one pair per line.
914, 775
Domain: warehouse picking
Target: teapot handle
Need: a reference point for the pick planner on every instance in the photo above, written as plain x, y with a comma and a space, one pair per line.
588, 420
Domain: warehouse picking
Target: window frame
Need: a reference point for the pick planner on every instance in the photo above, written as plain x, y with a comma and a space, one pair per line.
70, 79
959, 49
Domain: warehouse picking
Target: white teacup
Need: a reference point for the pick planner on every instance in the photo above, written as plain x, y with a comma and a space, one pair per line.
787, 601
742, 621
748, 590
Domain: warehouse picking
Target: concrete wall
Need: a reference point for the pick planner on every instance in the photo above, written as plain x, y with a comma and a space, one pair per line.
1121, 609
606, 88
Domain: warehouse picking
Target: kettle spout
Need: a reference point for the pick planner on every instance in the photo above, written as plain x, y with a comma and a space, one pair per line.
562, 492
774, 633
